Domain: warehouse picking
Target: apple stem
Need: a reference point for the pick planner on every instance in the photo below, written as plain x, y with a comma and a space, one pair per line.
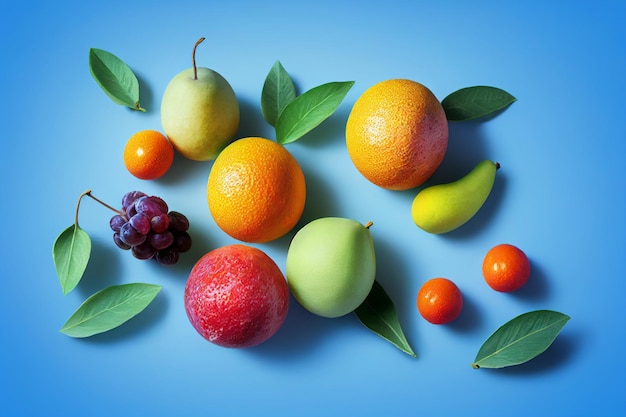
369, 224
497, 165
193, 58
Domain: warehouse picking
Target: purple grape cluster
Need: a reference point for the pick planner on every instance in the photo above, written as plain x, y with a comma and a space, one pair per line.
147, 228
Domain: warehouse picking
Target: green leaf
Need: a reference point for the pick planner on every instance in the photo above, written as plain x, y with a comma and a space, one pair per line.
70, 253
278, 91
309, 109
520, 339
109, 308
115, 77
473, 102
378, 314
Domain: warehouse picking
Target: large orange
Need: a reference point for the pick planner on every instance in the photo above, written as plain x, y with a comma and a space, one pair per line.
397, 134
256, 190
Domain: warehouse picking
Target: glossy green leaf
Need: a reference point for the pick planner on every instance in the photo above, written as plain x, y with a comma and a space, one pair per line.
379, 314
520, 339
278, 91
109, 308
115, 77
309, 109
70, 253
474, 102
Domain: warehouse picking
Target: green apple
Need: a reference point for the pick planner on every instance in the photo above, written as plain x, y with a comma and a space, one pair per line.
331, 266
199, 112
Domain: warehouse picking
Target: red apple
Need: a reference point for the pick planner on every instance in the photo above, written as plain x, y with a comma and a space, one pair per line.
236, 296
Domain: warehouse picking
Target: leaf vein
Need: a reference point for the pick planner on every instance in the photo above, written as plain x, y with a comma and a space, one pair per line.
103, 311
519, 340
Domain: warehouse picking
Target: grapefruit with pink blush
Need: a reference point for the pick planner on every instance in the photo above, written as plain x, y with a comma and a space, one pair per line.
236, 296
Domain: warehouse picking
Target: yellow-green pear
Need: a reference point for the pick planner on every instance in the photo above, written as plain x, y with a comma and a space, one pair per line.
331, 266
199, 112
444, 207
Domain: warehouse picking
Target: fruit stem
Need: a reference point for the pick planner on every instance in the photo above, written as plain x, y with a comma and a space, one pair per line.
369, 224
80, 197
193, 58
497, 165
88, 193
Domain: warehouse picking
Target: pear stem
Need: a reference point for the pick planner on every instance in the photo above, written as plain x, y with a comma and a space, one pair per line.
193, 58
369, 224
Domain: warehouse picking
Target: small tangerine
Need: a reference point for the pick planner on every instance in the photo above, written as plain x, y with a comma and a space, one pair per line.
439, 301
506, 268
148, 154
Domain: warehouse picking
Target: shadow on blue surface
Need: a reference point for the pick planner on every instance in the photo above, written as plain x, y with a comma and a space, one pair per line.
537, 288
251, 122
467, 146
301, 334
184, 170
470, 318
320, 201
103, 268
392, 274
202, 243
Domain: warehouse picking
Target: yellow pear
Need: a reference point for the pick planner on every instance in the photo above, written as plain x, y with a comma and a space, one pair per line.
199, 112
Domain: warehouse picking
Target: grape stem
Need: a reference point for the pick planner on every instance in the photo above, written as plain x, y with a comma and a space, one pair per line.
193, 58
88, 193
80, 197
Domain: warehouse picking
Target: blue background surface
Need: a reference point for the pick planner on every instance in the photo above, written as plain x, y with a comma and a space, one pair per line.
559, 196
